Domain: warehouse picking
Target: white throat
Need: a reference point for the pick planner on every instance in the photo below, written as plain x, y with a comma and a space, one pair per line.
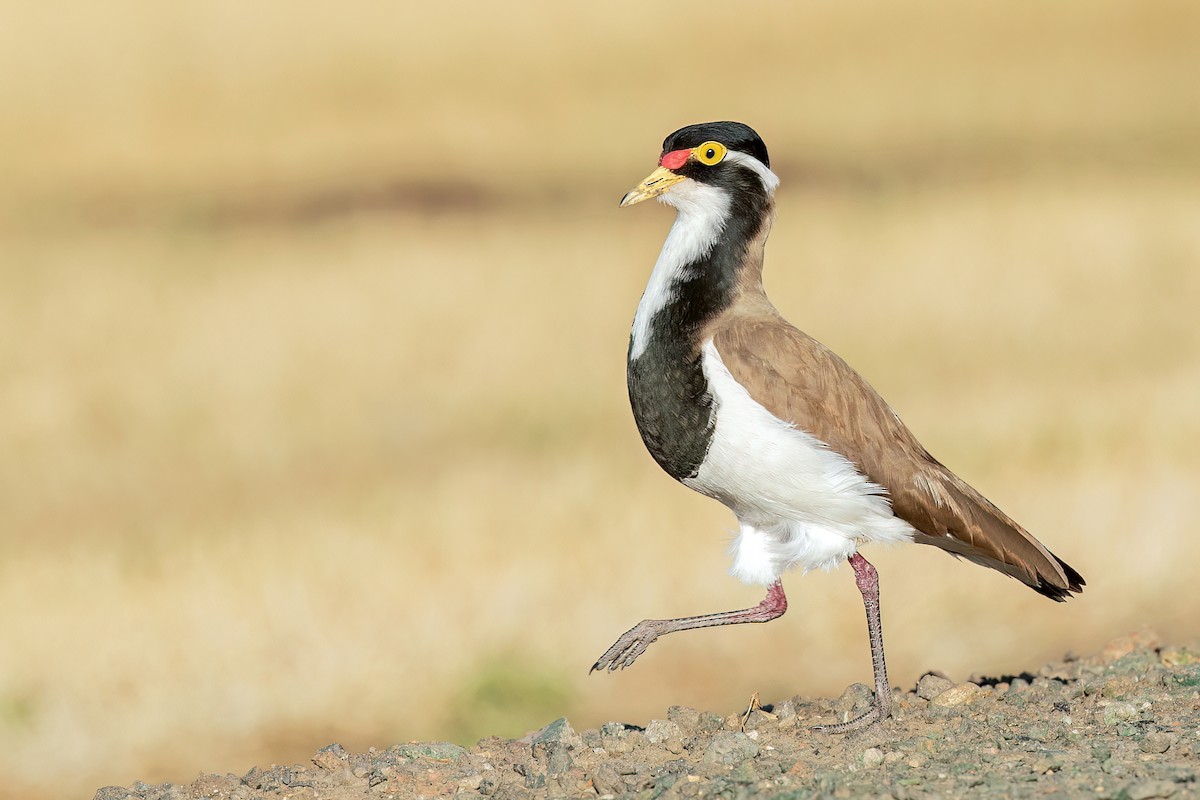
701, 214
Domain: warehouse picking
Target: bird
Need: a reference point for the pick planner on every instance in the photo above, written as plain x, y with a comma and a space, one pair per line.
737, 404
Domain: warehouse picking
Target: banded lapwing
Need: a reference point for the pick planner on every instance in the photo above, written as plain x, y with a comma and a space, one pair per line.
735, 403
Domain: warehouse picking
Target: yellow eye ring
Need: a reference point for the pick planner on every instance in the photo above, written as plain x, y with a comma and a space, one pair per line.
709, 153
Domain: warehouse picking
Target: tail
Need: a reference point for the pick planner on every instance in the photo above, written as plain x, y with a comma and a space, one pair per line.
951, 515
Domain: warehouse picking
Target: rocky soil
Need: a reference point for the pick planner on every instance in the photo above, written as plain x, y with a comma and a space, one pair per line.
1124, 723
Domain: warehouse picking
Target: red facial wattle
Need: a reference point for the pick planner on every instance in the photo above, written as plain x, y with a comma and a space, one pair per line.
674, 159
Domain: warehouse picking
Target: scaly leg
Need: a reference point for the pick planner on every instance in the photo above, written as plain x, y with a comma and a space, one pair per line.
635, 641
868, 583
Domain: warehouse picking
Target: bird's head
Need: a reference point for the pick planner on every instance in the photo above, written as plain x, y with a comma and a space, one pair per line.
726, 158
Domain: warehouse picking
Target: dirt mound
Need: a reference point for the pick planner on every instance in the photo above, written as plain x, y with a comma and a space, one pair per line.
1124, 723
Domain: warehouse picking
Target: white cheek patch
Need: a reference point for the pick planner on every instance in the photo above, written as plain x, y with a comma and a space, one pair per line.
703, 211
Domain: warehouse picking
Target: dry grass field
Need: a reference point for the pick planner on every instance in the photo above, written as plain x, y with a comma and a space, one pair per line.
312, 328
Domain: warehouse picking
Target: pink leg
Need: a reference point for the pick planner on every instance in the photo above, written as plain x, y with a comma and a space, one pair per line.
635, 641
868, 583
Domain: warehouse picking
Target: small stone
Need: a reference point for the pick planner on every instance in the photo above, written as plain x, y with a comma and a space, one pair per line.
686, 718
1145, 790
1178, 657
756, 719
1052, 761
558, 731
438, 751
1146, 639
931, 685
613, 737
1114, 767
730, 748
858, 698
962, 694
614, 730
115, 793
747, 772
606, 780
221, 785
1116, 713
1118, 686
551, 746
330, 758
1189, 677
709, 722
1038, 732
785, 710
660, 730
872, 757
1156, 742
253, 778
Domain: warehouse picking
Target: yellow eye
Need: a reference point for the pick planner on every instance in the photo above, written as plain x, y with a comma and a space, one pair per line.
710, 153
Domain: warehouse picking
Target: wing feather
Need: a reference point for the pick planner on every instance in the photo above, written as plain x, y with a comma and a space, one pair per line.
801, 381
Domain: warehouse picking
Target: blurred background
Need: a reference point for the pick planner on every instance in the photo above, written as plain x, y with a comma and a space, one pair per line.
313, 320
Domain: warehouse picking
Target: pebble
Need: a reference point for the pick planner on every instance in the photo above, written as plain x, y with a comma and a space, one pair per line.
1115, 713
683, 716
857, 698
785, 710
955, 696
441, 751
872, 757
1145, 790
1156, 742
613, 730
931, 685
559, 731
613, 738
660, 730
606, 780
331, 758
730, 748
1145, 639
1179, 657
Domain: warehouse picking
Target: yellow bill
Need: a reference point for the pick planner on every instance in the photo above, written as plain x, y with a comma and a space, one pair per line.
655, 184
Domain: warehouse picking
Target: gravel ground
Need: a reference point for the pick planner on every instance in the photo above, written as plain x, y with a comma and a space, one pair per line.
1124, 723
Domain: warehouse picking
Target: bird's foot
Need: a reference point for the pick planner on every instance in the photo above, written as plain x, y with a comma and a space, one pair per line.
631, 645
878, 713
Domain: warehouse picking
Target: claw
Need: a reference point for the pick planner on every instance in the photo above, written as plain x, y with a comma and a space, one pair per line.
876, 714
628, 648
634, 641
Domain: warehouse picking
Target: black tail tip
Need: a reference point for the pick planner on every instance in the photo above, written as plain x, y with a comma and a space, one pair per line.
1075, 584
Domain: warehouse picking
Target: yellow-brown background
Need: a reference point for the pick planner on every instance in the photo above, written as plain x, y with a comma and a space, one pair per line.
312, 325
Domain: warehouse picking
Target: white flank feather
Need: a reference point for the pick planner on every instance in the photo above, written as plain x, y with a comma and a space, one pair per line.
798, 503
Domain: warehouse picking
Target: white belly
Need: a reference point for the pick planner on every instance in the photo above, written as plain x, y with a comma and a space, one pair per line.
799, 504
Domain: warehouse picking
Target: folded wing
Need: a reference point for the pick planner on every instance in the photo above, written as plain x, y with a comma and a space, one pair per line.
801, 381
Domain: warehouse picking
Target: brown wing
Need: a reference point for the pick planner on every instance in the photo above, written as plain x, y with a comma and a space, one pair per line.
800, 380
